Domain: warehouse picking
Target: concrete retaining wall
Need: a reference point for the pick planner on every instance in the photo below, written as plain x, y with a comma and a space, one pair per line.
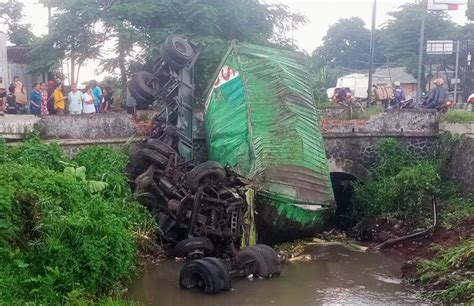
94, 126
459, 167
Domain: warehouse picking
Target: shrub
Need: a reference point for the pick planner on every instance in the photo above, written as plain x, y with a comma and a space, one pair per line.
452, 271
105, 164
402, 188
59, 240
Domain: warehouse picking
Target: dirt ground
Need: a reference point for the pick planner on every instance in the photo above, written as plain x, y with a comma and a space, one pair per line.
423, 247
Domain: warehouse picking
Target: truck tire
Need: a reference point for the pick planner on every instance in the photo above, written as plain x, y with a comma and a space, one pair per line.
141, 101
223, 273
153, 157
159, 146
204, 171
271, 257
252, 261
141, 83
202, 275
178, 49
192, 248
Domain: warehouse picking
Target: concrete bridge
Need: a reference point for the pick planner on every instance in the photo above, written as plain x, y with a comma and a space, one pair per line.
350, 144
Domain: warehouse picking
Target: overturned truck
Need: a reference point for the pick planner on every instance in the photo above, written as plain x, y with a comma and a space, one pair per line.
261, 124
260, 119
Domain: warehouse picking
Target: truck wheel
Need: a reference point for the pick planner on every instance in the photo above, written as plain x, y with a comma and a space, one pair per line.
193, 248
223, 273
202, 275
153, 157
141, 101
271, 257
159, 146
252, 262
141, 83
177, 49
209, 170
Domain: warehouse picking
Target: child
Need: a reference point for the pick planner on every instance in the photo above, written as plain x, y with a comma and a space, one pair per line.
12, 107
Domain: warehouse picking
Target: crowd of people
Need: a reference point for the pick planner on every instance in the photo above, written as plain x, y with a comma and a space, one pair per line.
48, 99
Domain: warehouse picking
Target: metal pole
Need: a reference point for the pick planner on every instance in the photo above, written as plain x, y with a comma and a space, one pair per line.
421, 51
456, 74
372, 47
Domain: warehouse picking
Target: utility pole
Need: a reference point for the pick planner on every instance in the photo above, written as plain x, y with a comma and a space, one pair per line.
421, 50
372, 48
456, 73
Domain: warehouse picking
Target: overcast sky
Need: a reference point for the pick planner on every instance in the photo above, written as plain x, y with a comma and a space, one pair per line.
320, 14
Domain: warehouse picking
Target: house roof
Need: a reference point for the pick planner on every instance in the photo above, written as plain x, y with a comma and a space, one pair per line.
17, 55
393, 74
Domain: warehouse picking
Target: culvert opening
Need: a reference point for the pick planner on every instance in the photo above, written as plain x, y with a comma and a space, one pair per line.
343, 186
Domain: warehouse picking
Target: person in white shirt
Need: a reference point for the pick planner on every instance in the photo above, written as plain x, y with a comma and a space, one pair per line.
75, 101
88, 106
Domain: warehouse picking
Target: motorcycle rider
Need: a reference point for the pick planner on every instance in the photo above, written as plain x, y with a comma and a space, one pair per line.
398, 94
437, 95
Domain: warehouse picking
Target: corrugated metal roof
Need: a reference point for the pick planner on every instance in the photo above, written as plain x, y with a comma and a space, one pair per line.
17, 55
399, 74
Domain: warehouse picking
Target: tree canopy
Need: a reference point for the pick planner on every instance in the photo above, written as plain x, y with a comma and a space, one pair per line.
79, 29
19, 33
346, 44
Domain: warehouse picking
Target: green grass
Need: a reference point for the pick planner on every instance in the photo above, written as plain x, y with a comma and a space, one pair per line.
458, 116
61, 241
449, 274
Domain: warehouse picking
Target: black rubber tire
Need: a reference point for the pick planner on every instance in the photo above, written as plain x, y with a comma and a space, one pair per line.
159, 146
140, 82
207, 170
141, 101
186, 246
202, 275
178, 49
171, 62
153, 157
259, 264
223, 273
273, 261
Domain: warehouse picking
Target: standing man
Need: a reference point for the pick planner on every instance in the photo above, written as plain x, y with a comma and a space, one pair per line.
50, 102
97, 94
75, 101
130, 103
20, 94
3, 95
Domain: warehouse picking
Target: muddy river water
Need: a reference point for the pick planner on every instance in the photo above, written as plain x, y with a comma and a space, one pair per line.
333, 274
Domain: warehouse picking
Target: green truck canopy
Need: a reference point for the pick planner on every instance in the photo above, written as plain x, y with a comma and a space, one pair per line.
260, 119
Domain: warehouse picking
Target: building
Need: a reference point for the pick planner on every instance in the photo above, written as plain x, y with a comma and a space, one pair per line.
14, 62
389, 75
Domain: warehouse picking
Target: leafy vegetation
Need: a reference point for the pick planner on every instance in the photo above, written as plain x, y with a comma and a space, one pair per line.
401, 193
402, 189
454, 116
451, 274
63, 239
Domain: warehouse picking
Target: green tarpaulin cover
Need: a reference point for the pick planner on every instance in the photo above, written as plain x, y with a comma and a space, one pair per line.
261, 120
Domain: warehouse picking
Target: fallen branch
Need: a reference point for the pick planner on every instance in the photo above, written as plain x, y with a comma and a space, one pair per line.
393, 241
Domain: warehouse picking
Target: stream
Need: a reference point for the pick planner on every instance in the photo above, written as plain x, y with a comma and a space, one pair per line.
332, 274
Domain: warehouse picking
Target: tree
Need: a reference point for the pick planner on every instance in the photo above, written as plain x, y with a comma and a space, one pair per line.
470, 9
346, 44
400, 35
139, 27
11, 13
